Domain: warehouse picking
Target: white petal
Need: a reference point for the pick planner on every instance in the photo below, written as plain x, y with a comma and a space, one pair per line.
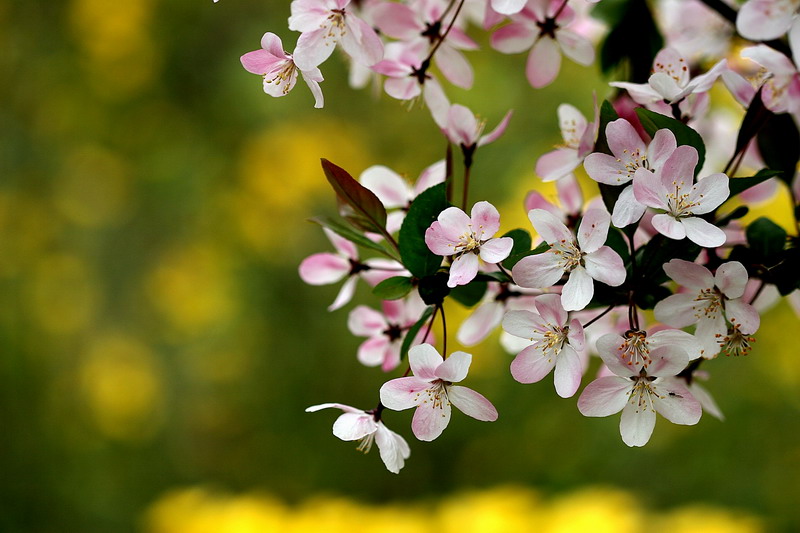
472, 403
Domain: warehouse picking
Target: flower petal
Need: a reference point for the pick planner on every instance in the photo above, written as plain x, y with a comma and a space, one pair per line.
424, 360
365, 322
669, 226
549, 227
324, 268
531, 365
480, 323
544, 62
702, 232
538, 271
402, 393
353, 426
604, 396
430, 421
485, 220
455, 368
496, 250
393, 448
606, 266
463, 270
578, 290
676, 403
593, 230
637, 423
742, 314
569, 371
731, 279
472, 403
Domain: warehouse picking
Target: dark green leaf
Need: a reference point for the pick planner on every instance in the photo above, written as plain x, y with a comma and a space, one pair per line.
779, 144
433, 289
784, 273
616, 241
766, 238
650, 294
414, 330
736, 214
514, 259
393, 288
471, 294
415, 255
631, 22
607, 114
493, 276
754, 119
351, 235
660, 250
368, 209
739, 185
652, 122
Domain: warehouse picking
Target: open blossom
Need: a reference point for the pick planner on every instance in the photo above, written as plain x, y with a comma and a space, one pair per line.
489, 314
671, 189
432, 392
366, 426
579, 139
326, 268
325, 23
279, 70
781, 87
763, 20
540, 27
466, 238
639, 393
462, 128
712, 301
555, 341
583, 260
633, 347
629, 154
386, 330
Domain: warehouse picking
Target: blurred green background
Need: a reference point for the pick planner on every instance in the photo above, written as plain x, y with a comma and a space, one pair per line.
158, 348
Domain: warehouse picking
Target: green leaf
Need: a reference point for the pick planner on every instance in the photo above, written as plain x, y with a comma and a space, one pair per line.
470, 294
652, 122
414, 330
433, 289
493, 276
415, 255
616, 241
351, 235
779, 144
766, 238
607, 115
514, 259
631, 22
393, 288
754, 119
369, 211
660, 250
522, 244
739, 185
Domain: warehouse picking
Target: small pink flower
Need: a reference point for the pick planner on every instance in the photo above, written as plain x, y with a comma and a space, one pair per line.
386, 330
579, 139
639, 393
325, 23
672, 189
584, 260
709, 302
466, 238
279, 69
555, 341
462, 128
432, 392
764, 20
367, 427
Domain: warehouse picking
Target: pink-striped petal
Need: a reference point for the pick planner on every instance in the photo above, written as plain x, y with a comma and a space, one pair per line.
402, 393
424, 360
538, 271
604, 396
472, 403
544, 62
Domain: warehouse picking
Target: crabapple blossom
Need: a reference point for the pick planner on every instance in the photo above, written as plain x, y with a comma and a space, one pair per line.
584, 260
781, 88
489, 314
386, 330
326, 268
555, 341
629, 154
711, 302
432, 392
279, 69
762, 20
366, 426
634, 346
639, 393
540, 27
671, 189
579, 140
323, 24
466, 238
462, 128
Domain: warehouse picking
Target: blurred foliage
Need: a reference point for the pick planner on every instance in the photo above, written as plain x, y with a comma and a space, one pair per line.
155, 334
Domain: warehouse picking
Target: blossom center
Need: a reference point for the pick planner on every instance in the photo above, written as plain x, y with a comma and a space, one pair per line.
709, 303
436, 395
570, 256
679, 203
635, 350
643, 392
735, 342
282, 76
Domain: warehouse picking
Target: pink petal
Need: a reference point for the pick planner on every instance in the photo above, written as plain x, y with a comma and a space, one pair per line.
472, 403
623, 139
454, 222
759, 20
668, 226
313, 85
576, 336
577, 48
538, 271
604, 396
666, 86
455, 367
593, 230
352, 426
709, 193
544, 62
462, 126
365, 322
731, 279
514, 38
569, 192
535, 200
637, 423
496, 250
343, 407
569, 371
440, 242
661, 147
610, 349
672, 64
739, 87
648, 189
272, 44
578, 290
312, 49
497, 132
345, 294
689, 274
361, 42
463, 270
525, 324
678, 168
641, 93
261, 62
606, 266
424, 360
324, 268
429, 422
454, 66
393, 448
606, 169
508, 7
391, 189
676, 310
703, 233
742, 314
531, 365
551, 310
676, 403
549, 228
372, 352
667, 360
432, 175
437, 102
480, 323
627, 210
398, 21
675, 337
485, 220
402, 393
557, 164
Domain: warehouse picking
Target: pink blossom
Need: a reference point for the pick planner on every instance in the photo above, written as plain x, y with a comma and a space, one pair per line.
432, 392
326, 268
710, 300
462, 128
570, 199
540, 27
402, 66
325, 23
629, 154
763, 20
555, 341
584, 260
489, 314
466, 238
672, 189
781, 87
366, 426
385, 331
579, 139
639, 393
279, 70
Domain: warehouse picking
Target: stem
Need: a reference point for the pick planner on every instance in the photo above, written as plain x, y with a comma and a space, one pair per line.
444, 332
430, 325
560, 9
466, 187
758, 292
504, 271
449, 27
598, 317
633, 316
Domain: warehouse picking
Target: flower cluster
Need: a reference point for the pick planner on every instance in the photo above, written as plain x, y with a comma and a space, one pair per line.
660, 223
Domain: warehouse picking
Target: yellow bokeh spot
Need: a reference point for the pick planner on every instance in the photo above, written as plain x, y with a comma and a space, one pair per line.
192, 288
122, 386
497, 510
599, 510
92, 189
26, 229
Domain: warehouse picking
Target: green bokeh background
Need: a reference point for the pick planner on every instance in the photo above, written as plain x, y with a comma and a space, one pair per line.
155, 334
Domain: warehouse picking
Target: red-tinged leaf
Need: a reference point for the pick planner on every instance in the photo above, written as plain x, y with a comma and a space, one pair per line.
365, 204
